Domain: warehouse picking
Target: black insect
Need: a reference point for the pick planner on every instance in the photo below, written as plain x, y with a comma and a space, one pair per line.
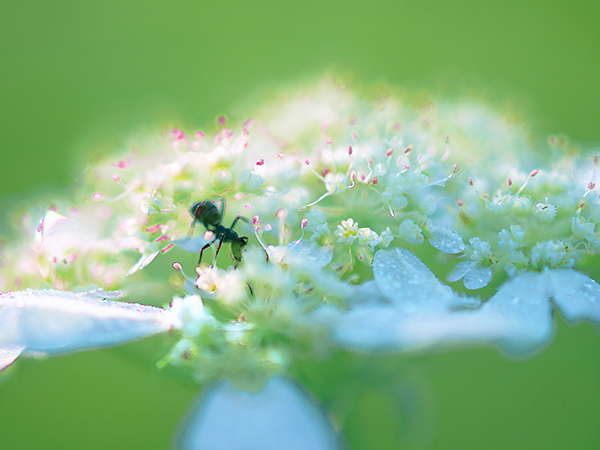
208, 214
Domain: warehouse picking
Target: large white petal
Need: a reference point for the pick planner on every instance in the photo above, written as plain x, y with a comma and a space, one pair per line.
281, 416
576, 295
517, 319
8, 355
53, 322
409, 284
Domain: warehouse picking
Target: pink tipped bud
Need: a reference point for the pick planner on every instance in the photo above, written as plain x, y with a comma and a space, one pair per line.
178, 134
329, 141
406, 167
447, 137
455, 168
245, 132
280, 155
199, 134
596, 160
97, 196
260, 162
177, 266
268, 227
354, 135
369, 161
390, 152
115, 177
470, 181
255, 219
307, 162
509, 181
303, 223
349, 149
459, 203
408, 149
121, 165
591, 185
374, 181
221, 120
533, 173
352, 175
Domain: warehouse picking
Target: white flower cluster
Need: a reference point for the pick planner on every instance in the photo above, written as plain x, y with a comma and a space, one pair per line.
321, 161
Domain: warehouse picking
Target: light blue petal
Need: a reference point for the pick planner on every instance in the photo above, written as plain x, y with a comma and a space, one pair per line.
8, 355
518, 320
478, 277
575, 294
459, 271
522, 308
367, 294
312, 254
54, 322
280, 417
445, 240
409, 284
474, 276
191, 244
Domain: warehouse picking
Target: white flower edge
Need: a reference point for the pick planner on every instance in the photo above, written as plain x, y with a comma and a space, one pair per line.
50, 322
418, 312
280, 416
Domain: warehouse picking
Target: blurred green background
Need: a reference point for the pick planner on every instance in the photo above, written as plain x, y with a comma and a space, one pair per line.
76, 77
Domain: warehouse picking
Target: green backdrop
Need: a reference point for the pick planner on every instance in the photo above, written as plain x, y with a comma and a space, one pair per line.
77, 76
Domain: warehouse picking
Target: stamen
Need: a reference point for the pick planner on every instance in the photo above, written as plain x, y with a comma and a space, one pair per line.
179, 268
533, 173
281, 215
591, 185
303, 224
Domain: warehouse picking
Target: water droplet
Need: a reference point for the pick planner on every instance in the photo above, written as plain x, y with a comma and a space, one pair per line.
516, 301
590, 290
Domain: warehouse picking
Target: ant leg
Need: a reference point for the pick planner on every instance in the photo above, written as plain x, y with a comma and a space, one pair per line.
204, 248
218, 249
191, 232
239, 218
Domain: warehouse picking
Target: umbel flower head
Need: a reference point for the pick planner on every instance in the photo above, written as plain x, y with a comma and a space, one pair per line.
342, 216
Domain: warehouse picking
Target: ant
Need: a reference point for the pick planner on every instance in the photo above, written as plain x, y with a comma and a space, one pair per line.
208, 214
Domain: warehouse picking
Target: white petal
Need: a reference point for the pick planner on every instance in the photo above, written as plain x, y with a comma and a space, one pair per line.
367, 294
518, 320
575, 294
192, 244
522, 308
279, 417
53, 322
143, 262
447, 241
474, 276
312, 254
408, 283
8, 355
